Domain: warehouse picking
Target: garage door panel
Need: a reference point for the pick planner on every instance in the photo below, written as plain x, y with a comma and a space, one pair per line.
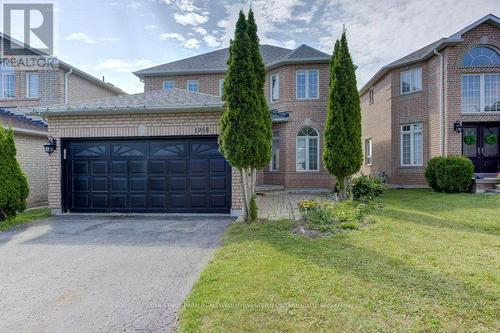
177, 166
199, 200
99, 167
99, 184
160, 175
198, 183
81, 184
138, 184
119, 184
99, 201
80, 167
119, 167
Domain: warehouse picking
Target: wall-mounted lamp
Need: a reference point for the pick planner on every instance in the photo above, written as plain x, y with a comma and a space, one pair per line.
50, 146
458, 127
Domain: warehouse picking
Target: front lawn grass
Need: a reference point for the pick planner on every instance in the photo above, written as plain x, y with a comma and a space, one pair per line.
25, 217
429, 262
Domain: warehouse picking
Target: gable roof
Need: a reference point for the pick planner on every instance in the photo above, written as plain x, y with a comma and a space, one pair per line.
428, 51
158, 100
216, 61
66, 66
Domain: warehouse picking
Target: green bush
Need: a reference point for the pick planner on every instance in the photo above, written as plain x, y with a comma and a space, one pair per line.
454, 174
331, 217
431, 172
366, 188
253, 210
13, 183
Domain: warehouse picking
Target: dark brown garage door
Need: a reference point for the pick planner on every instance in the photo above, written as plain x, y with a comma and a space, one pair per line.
160, 175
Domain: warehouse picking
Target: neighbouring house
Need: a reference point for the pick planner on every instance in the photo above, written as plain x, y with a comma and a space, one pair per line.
23, 88
441, 100
157, 151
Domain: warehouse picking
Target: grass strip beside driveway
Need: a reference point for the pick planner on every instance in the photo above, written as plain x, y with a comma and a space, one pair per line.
25, 217
429, 262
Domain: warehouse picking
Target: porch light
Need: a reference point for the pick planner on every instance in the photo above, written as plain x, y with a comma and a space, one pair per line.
458, 127
50, 146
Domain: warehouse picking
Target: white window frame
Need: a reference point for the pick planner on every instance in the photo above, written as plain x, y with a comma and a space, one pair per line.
318, 145
306, 72
28, 90
3, 77
276, 138
412, 145
221, 87
481, 94
277, 88
412, 79
369, 157
197, 82
173, 84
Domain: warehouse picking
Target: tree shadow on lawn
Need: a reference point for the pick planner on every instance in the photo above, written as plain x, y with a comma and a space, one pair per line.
400, 282
460, 225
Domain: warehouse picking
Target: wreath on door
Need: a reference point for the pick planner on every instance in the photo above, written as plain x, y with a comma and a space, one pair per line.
469, 139
490, 139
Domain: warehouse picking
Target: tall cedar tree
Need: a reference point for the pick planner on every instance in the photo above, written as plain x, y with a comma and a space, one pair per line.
342, 151
245, 138
13, 183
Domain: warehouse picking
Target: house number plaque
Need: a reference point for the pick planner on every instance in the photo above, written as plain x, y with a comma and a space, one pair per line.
201, 130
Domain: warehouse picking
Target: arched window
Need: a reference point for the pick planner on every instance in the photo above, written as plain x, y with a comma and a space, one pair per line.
481, 56
307, 155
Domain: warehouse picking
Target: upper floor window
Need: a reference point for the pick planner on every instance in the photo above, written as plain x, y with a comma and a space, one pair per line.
192, 85
307, 150
7, 86
411, 145
371, 96
32, 85
480, 92
411, 80
481, 56
221, 87
307, 82
275, 87
168, 85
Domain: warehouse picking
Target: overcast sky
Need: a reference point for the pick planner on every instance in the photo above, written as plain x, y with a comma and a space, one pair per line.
115, 37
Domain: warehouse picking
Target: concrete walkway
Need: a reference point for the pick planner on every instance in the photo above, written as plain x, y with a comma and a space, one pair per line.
284, 205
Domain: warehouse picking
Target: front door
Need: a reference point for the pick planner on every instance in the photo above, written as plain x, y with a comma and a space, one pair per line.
480, 143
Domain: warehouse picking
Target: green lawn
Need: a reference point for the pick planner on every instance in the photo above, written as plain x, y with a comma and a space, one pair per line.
429, 262
26, 217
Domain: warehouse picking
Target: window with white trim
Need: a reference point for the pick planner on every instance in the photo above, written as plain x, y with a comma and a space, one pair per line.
411, 145
480, 93
275, 87
307, 150
275, 152
481, 56
221, 87
7, 86
192, 85
307, 83
411, 80
368, 151
32, 85
168, 85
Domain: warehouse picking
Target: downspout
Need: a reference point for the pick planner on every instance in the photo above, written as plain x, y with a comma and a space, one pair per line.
66, 75
441, 103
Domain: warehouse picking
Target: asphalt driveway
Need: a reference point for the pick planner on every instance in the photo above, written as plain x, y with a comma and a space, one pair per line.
101, 274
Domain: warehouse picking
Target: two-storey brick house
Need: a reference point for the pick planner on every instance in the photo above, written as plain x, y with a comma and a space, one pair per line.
24, 87
441, 100
157, 151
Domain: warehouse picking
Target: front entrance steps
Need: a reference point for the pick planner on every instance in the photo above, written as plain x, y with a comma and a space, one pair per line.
486, 183
264, 189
